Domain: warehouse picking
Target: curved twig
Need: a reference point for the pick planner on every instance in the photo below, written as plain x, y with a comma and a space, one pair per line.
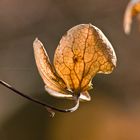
48, 107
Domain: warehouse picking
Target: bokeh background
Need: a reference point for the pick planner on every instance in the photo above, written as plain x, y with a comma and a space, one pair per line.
114, 111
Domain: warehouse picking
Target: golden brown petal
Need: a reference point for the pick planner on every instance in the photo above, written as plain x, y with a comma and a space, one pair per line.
81, 53
46, 70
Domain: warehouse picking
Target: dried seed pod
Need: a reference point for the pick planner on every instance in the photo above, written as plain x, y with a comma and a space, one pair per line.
82, 52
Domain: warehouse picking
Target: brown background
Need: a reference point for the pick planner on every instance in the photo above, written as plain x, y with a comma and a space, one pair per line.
114, 111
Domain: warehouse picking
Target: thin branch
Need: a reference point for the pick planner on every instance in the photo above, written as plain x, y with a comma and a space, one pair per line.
48, 107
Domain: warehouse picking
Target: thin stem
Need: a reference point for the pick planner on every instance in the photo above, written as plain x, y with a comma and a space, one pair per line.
48, 107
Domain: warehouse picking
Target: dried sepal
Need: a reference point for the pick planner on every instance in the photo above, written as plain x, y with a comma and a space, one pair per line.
84, 96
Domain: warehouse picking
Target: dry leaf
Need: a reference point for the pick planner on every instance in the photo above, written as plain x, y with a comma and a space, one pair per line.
82, 52
132, 10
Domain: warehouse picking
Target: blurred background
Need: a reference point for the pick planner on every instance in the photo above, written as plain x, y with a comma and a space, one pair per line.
114, 111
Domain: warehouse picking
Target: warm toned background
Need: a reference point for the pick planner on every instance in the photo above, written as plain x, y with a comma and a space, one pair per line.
114, 111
